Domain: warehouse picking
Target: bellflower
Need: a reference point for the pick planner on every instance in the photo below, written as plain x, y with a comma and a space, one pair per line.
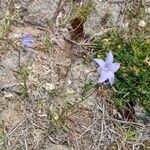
107, 68
27, 41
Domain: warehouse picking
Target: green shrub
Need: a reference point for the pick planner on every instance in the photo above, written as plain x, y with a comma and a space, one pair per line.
132, 50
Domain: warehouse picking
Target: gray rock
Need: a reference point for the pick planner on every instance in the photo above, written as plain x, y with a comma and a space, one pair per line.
141, 115
42, 11
9, 63
79, 75
104, 15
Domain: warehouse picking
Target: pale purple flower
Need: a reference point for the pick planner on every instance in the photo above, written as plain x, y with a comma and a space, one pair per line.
107, 68
27, 40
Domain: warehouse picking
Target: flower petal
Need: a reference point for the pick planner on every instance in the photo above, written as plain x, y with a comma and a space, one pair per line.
113, 67
102, 77
27, 40
109, 58
111, 78
100, 62
106, 75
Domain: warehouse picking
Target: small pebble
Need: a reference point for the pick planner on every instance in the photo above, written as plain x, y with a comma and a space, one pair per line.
49, 87
142, 23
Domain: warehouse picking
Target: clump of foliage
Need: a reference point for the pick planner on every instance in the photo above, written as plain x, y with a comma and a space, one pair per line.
7, 21
132, 50
83, 11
